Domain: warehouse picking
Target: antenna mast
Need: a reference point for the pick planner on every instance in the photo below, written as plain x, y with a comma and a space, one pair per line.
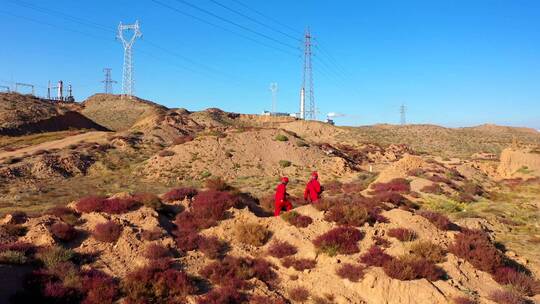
127, 75
274, 89
108, 82
307, 92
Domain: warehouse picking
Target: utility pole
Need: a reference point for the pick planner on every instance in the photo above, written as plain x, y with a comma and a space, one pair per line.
274, 90
402, 111
306, 91
127, 43
108, 81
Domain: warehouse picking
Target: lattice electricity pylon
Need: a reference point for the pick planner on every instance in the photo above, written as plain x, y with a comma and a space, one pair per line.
307, 92
127, 75
402, 112
108, 82
274, 90
20, 84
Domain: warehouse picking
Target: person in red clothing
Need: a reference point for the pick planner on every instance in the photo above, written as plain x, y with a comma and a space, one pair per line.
313, 188
281, 197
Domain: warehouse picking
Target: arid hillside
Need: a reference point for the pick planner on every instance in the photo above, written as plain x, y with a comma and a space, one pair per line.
25, 114
173, 206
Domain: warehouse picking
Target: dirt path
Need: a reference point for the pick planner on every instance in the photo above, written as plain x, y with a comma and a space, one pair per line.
94, 136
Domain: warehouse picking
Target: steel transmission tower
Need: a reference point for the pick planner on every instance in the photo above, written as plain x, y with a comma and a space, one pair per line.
127, 43
274, 89
402, 111
108, 82
306, 93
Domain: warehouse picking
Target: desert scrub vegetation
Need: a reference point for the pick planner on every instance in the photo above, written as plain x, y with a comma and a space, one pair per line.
106, 205
340, 240
166, 153
212, 247
223, 295
506, 297
402, 234
13, 230
16, 252
440, 221
53, 256
280, 249
151, 235
410, 267
475, 247
284, 163
218, 184
351, 272
519, 280
375, 256
235, 271
399, 185
182, 139
299, 294
107, 232
463, 300
155, 251
299, 264
63, 232
178, 194
157, 283
429, 251
355, 213
252, 234
296, 219
281, 137
148, 200
67, 215
433, 189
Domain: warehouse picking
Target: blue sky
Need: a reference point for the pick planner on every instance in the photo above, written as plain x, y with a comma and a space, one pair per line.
453, 63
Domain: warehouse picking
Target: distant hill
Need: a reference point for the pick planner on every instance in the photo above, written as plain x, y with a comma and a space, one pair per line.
26, 114
118, 113
460, 142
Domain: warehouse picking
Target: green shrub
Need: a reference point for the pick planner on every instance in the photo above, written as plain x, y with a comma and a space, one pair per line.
301, 144
13, 257
55, 255
206, 174
281, 137
284, 163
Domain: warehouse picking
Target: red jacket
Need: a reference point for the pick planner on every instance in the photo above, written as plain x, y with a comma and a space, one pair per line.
281, 192
313, 190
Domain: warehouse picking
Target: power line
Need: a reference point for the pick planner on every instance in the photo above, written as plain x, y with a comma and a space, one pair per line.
295, 31
245, 28
202, 20
255, 20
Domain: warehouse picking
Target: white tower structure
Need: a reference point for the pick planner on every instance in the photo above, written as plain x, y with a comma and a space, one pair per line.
127, 43
274, 89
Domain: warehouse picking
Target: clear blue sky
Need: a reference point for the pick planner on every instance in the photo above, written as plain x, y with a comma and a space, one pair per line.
453, 63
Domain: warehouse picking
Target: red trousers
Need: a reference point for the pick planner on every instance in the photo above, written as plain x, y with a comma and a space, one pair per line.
280, 205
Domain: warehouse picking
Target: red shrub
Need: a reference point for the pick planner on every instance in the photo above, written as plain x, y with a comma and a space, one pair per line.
107, 232
110, 205
264, 271
99, 287
157, 283
433, 188
59, 291
520, 281
475, 247
299, 294
22, 247
155, 251
179, 194
296, 219
298, 264
352, 214
212, 246
351, 272
149, 200
18, 217
187, 240
390, 197
265, 300
440, 221
281, 249
151, 235
506, 297
396, 185
90, 203
411, 268
222, 295
340, 240
63, 232
382, 242
352, 187
375, 256
463, 300
165, 153
234, 272
439, 179
416, 172
402, 234
213, 204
